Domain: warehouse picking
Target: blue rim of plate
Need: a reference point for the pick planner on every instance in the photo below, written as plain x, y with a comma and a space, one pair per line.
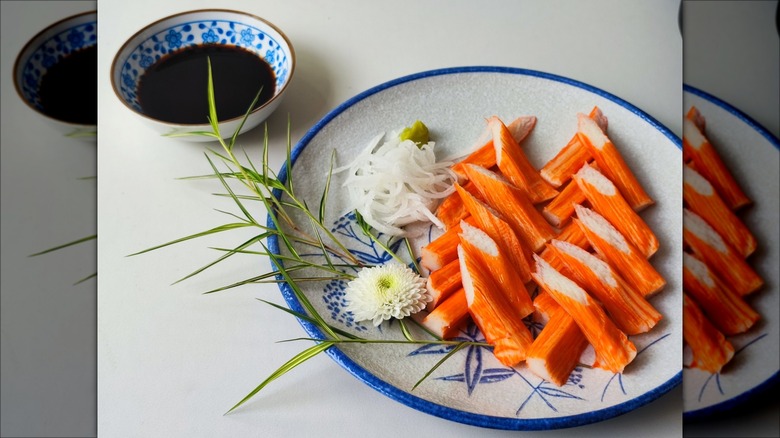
774, 379
418, 403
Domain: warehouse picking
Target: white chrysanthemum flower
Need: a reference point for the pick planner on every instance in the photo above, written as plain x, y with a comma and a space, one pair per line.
386, 291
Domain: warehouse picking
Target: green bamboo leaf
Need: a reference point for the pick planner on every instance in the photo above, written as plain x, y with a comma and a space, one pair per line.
232, 194
190, 134
284, 369
215, 230
246, 115
212, 103
326, 190
405, 330
305, 317
75, 242
85, 278
252, 240
452, 352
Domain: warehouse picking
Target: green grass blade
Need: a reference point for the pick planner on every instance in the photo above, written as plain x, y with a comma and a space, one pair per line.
305, 317
298, 359
452, 352
215, 230
212, 103
75, 242
232, 194
246, 116
85, 278
251, 241
326, 190
405, 330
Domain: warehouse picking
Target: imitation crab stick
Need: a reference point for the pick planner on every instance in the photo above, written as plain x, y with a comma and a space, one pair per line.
561, 208
698, 149
499, 230
485, 156
478, 244
492, 313
613, 247
695, 116
571, 157
451, 210
442, 250
611, 162
545, 307
515, 166
630, 312
443, 282
613, 349
515, 208
605, 198
703, 200
557, 349
711, 351
725, 309
449, 316
710, 248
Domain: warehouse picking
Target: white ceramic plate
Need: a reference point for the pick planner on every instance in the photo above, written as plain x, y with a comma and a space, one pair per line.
473, 387
751, 154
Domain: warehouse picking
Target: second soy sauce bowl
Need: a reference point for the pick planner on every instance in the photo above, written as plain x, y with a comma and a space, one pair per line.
152, 68
55, 74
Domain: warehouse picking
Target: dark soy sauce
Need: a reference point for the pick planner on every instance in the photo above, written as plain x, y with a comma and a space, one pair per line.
68, 89
174, 88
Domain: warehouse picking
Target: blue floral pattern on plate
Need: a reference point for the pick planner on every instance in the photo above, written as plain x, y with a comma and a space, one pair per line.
195, 33
50, 52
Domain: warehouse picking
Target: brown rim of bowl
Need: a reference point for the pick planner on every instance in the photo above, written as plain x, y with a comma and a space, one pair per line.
19, 60
232, 11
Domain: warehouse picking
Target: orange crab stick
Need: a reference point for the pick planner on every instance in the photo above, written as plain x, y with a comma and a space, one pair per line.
629, 310
449, 316
572, 156
491, 311
703, 200
442, 250
500, 231
514, 207
478, 243
695, 116
711, 351
605, 198
611, 162
613, 349
725, 309
451, 210
514, 164
485, 156
556, 351
706, 160
443, 282
710, 248
619, 253
561, 208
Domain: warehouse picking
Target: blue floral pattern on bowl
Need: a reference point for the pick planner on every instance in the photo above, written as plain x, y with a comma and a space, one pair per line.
197, 32
49, 52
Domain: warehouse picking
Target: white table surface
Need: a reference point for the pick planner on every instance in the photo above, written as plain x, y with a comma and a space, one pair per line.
170, 360
732, 51
47, 324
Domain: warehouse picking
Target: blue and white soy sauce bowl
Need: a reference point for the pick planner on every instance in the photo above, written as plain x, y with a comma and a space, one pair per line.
55, 74
160, 72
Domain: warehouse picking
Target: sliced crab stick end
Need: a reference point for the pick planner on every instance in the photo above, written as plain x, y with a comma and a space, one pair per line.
605, 198
613, 349
561, 208
478, 244
572, 156
710, 248
697, 118
630, 311
711, 351
443, 249
515, 208
724, 308
485, 155
449, 316
556, 351
703, 200
451, 210
611, 162
516, 167
546, 307
491, 312
619, 253
442, 283
710, 165
499, 230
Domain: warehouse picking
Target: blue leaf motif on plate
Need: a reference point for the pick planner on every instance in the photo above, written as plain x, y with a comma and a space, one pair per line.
716, 376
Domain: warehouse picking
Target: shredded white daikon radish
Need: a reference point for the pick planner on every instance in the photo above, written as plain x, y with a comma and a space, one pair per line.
397, 183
